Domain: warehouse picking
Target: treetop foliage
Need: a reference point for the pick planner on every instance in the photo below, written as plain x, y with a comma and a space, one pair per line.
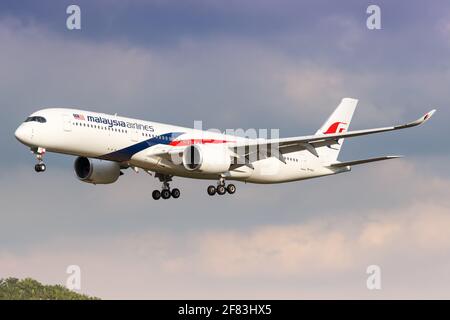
30, 289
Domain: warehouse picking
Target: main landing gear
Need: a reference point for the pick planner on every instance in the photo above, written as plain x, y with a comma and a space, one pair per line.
39, 153
221, 189
166, 192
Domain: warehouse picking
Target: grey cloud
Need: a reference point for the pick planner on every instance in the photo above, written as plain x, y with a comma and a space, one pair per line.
321, 257
41, 208
227, 83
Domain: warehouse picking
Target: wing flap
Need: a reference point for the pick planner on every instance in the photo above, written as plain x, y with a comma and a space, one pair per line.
362, 161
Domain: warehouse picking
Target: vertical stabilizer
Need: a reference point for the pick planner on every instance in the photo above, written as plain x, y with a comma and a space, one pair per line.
338, 122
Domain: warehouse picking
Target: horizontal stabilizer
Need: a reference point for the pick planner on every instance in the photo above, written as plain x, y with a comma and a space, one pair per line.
355, 162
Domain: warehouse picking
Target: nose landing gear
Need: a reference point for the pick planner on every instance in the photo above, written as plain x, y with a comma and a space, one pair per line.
39, 153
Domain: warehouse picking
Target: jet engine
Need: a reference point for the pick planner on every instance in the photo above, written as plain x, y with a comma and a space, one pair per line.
212, 158
96, 171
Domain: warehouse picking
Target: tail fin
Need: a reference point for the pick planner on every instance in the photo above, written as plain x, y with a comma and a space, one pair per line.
339, 121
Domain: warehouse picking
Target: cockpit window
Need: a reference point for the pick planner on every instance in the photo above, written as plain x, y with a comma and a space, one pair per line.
36, 119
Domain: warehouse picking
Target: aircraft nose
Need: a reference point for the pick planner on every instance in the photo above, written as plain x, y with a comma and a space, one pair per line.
22, 134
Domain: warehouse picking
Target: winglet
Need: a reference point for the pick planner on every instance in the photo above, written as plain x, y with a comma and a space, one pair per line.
426, 117
419, 121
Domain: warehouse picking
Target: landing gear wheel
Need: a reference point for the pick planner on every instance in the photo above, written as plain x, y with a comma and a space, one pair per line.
40, 167
165, 194
156, 194
211, 190
231, 188
175, 193
39, 153
221, 190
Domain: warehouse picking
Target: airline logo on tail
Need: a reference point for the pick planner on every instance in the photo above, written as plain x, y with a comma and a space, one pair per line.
336, 127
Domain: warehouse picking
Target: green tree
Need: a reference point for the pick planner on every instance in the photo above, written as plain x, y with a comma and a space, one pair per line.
30, 289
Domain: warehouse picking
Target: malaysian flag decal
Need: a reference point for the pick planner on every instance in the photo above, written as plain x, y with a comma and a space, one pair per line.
78, 116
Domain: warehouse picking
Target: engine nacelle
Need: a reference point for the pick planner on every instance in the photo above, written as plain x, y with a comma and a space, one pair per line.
96, 171
212, 158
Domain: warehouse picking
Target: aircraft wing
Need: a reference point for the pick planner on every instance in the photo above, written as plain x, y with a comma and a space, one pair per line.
286, 145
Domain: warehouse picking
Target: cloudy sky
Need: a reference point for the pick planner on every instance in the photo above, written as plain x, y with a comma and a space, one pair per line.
233, 64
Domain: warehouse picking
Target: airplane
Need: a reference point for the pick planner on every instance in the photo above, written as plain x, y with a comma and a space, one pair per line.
107, 144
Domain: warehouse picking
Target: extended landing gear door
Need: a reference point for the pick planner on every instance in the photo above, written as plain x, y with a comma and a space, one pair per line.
67, 123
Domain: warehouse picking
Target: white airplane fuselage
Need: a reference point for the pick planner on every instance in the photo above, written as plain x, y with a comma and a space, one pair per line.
133, 142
